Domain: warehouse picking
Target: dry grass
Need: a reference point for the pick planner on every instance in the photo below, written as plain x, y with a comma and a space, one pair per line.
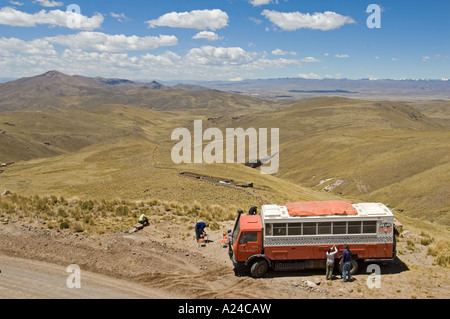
440, 249
103, 216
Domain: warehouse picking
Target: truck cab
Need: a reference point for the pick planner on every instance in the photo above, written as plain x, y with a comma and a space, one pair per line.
246, 246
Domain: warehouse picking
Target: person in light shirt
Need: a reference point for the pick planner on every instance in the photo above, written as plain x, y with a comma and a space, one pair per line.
330, 262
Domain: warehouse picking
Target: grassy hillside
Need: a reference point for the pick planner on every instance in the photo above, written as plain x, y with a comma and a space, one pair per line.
106, 144
114, 151
373, 151
436, 110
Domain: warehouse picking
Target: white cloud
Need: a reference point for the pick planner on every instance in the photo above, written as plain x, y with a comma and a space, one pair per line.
233, 59
12, 17
341, 56
435, 57
208, 55
310, 76
98, 54
257, 3
197, 19
77, 61
121, 17
16, 3
35, 47
166, 59
49, 3
263, 63
291, 21
281, 52
310, 59
98, 41
255, 20
208, 35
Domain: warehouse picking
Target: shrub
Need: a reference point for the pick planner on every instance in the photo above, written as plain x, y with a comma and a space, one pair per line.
87, 205
426, 241
122, 210
214, 226
410, 245
78, 228
443, 261
154, 202
62, 213
197, 205
440, 249
64, 225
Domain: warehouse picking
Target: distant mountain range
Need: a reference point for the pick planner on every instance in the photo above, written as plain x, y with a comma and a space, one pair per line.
52, 88
57, 90
298, 88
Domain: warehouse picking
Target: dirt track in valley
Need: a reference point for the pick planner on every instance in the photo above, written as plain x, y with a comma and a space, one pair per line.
28, 279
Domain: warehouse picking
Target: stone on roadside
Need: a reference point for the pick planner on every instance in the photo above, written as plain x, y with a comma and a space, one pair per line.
310, 284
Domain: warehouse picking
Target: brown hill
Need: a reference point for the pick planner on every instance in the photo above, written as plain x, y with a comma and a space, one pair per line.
55, 90
48, 90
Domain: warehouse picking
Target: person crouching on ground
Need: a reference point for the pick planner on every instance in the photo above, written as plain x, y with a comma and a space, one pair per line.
200, 230
330, 262
143, 220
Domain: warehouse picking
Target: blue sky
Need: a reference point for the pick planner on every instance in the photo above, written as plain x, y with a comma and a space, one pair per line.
225, 40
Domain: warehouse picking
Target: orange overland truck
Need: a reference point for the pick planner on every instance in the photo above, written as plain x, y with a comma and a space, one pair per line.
296, 236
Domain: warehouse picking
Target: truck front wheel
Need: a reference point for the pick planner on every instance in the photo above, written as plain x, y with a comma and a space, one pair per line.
259, 268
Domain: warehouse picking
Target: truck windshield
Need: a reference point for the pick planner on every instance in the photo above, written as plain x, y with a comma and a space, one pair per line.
237, 230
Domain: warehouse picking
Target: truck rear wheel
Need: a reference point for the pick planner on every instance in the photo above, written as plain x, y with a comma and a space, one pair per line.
259, 268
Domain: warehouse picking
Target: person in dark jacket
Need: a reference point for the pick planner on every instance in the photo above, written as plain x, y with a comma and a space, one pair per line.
253, 211
200, 230
346, 259
143, 220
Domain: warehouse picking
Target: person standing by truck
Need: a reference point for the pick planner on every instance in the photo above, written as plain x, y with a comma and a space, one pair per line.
346, 259
330, 262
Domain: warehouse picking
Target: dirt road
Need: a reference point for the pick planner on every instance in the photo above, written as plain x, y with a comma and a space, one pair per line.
28, 279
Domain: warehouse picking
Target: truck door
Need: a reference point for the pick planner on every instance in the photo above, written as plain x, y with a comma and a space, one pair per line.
250, 243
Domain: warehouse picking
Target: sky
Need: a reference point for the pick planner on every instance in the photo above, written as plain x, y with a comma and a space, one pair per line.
226, 40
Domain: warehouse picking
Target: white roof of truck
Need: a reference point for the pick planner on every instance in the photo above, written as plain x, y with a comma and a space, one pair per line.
362, 209
372, 209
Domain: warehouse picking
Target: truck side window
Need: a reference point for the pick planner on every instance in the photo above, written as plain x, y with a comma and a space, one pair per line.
339, 228
248, 237
295, 229
369, 227
324, 228
354, 227
268, 229
279, 229
309, 228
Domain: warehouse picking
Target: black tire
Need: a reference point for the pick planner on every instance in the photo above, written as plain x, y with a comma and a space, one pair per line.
259, 268
354, 267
